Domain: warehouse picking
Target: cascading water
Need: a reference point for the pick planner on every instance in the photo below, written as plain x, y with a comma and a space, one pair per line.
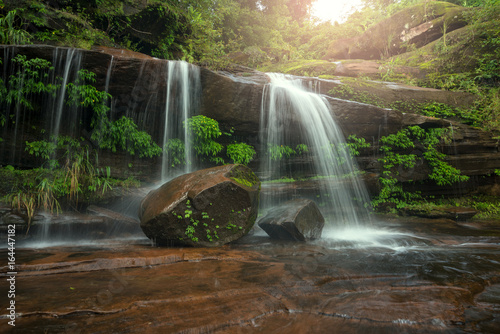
108, 74
67, 63
182, 100
292, 115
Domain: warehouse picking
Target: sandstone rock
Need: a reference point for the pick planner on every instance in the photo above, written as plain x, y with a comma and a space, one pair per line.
233, 98
298, 220
209, 207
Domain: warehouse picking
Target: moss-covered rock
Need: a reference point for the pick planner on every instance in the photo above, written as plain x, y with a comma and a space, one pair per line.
413, 26
456, 57
312, 68
401, 97
208, 208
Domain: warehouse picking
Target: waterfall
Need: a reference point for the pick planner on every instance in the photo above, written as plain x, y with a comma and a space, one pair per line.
292, 115
182, 101
67, 63
108, 75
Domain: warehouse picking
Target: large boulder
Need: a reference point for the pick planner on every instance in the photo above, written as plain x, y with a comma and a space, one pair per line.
297, 220
209, 207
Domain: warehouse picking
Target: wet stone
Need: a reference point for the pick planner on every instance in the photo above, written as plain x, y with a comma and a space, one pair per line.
459, 214
297, 220
206, 208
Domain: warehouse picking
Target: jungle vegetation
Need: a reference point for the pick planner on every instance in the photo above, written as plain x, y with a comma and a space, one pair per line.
261, 34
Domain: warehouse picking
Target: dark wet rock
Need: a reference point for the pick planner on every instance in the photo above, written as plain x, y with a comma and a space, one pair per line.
234, 100
11, 218
209, 207
67, 225
453, 213
297, 220
424, 122
110, 214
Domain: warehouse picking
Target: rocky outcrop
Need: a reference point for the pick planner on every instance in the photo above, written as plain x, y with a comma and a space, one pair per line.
209, 207
417, 25
296, 220
138, 86
454, 213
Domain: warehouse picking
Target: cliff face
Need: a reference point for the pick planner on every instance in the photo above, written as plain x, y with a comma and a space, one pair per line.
138, 83
412, 27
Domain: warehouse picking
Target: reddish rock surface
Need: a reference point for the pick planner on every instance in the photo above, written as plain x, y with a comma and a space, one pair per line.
209, 207
438, 282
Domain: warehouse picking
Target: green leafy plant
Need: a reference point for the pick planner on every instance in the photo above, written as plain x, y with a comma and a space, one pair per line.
354, 144
24, 201
395, 148
28, 82
176, 151
436, 109
10, 33
278, 152
204, 136
121, 134
240, 153
205, 130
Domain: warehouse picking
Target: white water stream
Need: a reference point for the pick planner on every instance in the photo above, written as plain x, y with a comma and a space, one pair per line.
291, 115
182, 101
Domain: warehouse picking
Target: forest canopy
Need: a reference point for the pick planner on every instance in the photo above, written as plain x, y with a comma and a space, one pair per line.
205, 31
277, 35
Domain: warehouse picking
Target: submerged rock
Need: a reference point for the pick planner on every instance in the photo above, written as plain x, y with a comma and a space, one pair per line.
298, 220
209, 207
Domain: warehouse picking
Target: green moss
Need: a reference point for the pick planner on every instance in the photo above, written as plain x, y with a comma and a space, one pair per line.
327, 76
311, 68
242, 181
488, 207
348, 93
359, 82
244, 176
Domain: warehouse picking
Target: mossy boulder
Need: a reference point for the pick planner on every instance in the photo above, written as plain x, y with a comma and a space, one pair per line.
208, 208
458, 59
413, 26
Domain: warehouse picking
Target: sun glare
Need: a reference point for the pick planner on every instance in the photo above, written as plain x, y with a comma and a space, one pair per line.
334, 10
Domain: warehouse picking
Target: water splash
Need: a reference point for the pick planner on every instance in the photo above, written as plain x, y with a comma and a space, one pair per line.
367, 237
293, 115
